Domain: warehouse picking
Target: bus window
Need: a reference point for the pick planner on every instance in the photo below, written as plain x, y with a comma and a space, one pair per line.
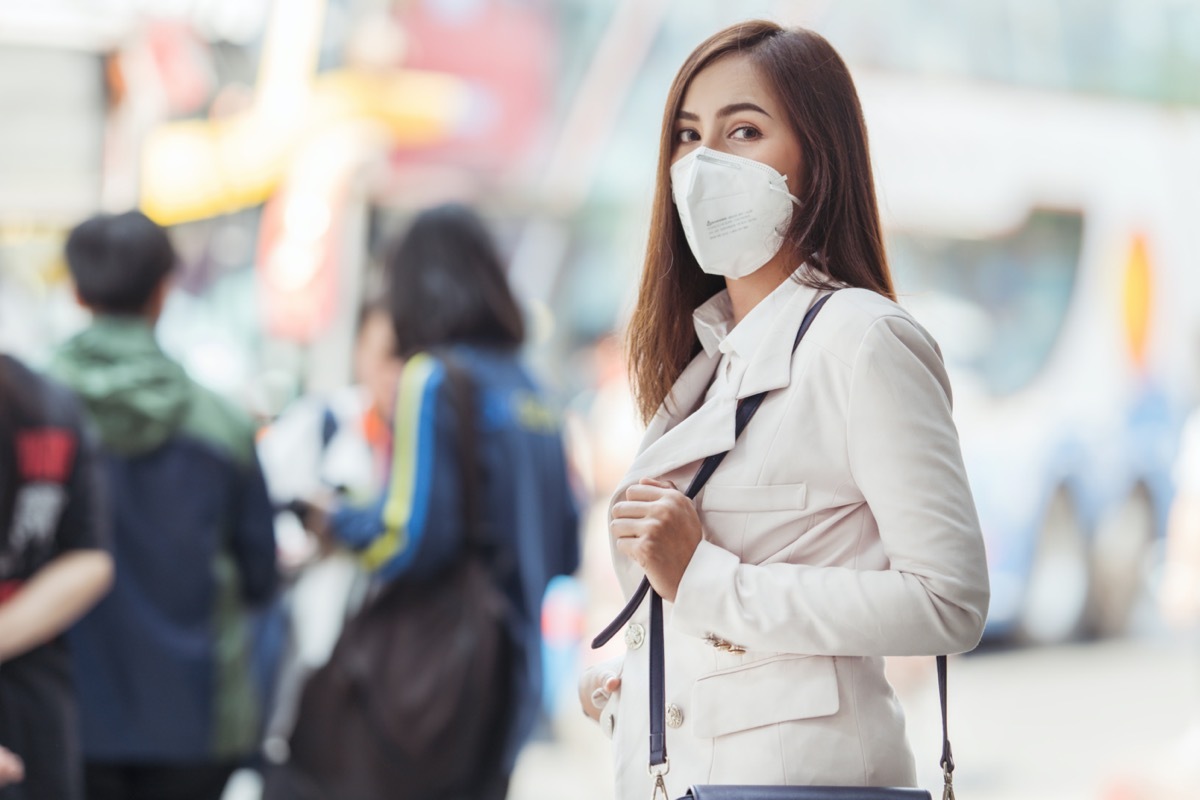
995, 305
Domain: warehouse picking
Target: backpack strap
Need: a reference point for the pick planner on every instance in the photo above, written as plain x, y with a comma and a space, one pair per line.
465, 403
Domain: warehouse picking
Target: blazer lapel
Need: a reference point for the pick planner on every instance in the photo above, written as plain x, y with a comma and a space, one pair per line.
685, 429
770, 367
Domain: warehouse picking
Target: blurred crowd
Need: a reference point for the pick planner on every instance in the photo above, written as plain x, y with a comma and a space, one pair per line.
206, 570
216, 435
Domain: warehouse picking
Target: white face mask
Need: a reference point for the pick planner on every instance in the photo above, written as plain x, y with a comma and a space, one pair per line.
734, 210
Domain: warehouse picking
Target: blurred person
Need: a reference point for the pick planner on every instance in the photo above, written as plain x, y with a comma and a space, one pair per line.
450, 301
327, 444
337, 442
168, 708
54, 565
841, 528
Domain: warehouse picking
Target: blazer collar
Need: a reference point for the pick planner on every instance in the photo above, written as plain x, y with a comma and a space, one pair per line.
770, 367
686, 429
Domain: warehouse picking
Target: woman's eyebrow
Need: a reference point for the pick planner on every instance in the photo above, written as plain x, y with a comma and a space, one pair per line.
734, 108
726, 111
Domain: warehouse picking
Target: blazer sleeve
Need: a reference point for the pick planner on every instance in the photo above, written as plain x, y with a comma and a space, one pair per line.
904, 456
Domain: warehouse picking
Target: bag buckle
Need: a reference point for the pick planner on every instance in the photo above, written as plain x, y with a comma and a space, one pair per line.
660, 787
948, 775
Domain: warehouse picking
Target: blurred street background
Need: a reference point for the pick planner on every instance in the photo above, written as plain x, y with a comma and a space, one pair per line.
1038, 167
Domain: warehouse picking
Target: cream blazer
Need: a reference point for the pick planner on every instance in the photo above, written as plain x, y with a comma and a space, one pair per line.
840, 529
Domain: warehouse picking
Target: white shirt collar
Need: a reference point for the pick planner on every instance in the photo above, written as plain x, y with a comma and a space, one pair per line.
714, 320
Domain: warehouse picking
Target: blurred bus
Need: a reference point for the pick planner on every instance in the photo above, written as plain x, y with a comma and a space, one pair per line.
1048, 241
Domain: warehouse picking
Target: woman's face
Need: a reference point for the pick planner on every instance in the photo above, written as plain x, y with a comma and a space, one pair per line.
730, 108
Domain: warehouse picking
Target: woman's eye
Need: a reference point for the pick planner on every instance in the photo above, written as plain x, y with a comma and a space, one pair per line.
686, 136
746, 132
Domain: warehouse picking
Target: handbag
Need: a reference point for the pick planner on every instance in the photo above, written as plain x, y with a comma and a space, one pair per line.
659, 764
415, 701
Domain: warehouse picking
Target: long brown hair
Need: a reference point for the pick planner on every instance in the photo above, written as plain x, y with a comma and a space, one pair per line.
836, 229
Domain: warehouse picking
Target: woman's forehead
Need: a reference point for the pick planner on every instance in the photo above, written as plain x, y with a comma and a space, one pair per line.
730, 79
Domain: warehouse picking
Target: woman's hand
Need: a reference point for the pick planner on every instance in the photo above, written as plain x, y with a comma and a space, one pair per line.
596, 685
657, 526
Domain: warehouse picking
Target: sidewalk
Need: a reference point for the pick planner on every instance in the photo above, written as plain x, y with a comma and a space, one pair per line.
576, 764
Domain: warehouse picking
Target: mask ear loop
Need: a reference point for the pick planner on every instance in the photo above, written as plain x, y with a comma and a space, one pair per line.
781, 187
795, 201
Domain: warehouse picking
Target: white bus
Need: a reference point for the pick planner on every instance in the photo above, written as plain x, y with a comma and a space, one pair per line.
1049, 242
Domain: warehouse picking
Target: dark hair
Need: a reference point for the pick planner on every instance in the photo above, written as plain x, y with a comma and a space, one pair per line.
837, 229
118, 260
445, 284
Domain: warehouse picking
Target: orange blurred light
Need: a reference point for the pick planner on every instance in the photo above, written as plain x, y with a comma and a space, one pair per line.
1135, 295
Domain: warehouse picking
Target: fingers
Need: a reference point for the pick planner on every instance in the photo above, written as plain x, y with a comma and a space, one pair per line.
609, 683
630, 510
630, 547
645, 493
658, 483
596, 686
629, 528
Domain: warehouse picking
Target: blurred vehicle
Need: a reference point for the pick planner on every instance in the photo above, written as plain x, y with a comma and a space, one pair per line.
1047, 241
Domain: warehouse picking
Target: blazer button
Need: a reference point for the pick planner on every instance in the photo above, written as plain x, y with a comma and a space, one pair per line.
674, 716
635, 634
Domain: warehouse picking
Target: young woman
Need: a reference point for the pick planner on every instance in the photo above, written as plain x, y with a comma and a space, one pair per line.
840, 529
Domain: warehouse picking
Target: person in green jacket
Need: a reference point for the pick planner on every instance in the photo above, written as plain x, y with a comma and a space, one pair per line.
168, 706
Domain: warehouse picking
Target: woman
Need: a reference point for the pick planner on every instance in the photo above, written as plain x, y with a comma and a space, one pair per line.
449, 299
840, 529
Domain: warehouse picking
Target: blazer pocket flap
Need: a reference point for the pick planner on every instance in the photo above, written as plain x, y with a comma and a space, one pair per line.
764, 693
774, 497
